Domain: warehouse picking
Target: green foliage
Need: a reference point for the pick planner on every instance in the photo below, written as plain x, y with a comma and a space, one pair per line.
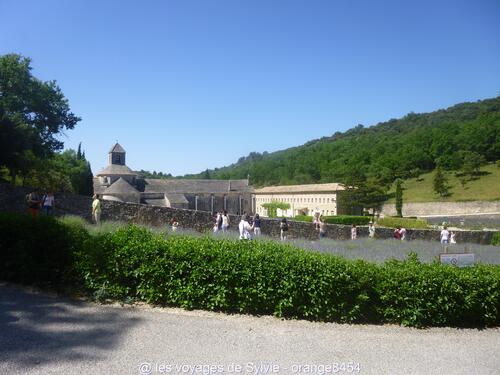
272, 207
399, 197
40, 251
394, 222
471, 164
32, 114
401, 148
256, 277
440, 183
306, 218
495, 240
339, 219
154, 174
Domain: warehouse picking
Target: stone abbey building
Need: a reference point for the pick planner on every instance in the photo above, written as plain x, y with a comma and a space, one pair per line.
118, 182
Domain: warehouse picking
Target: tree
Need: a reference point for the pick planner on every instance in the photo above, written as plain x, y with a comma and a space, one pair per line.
471, 164
440, 183
399, 198
32, 113
272, 207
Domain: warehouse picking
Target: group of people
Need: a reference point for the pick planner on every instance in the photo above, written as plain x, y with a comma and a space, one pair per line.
447, 237
221, 222
399, 233
36, 202
248, 227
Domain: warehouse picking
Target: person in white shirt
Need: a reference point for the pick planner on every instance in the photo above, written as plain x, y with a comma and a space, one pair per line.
48, 203
452, 238
225, 222
445, 235
402, 233
371, 230
245, 228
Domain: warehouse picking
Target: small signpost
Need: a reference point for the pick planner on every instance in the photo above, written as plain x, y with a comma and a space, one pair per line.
458, 259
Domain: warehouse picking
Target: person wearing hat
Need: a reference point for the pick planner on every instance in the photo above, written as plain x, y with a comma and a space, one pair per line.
371, 230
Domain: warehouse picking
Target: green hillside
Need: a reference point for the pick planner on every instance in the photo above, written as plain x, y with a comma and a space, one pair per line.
404, 148
486, 187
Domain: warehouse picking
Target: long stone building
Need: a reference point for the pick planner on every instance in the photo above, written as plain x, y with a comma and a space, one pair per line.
325, 199
117, 182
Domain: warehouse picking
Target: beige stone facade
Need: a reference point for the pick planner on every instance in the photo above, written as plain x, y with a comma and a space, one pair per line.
303, 199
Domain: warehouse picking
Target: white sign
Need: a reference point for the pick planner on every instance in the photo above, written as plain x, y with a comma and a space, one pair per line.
458, 260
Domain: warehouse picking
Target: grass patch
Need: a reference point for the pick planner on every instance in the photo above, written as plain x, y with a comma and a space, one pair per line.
394, 222
420, 189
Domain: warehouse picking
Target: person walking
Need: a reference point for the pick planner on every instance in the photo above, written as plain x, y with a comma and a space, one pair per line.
371, 230
256, 225
354, 232
245, 228
96, 209
33, 202
283, 229
174, 224
402, 233
48, 203
225, 222
321, 227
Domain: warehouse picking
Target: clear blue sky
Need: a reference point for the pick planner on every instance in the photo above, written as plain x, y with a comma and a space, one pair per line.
189, 85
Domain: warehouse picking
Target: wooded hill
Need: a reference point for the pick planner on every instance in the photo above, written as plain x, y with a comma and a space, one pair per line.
398, 148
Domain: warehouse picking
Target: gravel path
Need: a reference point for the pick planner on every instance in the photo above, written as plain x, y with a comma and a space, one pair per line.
45, 334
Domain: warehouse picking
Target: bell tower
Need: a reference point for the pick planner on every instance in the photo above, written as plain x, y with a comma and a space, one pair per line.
117, 155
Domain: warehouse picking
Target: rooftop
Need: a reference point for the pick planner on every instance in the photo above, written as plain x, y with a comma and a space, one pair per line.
311, 188
117, 148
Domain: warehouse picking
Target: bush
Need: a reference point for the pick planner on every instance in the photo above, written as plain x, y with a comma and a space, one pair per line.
394, 222
38, 251
340, 219
308, 219
348, 220
257, 277
495, 240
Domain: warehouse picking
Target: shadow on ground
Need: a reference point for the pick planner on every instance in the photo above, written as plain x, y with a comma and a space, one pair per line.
38, 328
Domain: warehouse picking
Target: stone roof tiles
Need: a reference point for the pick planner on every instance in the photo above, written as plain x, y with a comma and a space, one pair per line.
311, 188
117, 148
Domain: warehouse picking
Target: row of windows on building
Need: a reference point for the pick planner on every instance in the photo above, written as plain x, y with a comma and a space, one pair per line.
263, 211
297, 200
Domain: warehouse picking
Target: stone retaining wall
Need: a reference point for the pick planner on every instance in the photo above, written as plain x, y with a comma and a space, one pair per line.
423, 209
13, 199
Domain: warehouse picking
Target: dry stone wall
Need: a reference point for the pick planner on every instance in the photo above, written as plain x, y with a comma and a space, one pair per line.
12, 199
423, 209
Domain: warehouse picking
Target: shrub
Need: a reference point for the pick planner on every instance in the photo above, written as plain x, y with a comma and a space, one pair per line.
38, 251
340, 219
393, 222
308, 219
495, 240
257, 277
348, 220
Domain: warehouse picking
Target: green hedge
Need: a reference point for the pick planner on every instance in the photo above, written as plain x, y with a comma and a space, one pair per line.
495, 240
340, 219
394, 222
254, 277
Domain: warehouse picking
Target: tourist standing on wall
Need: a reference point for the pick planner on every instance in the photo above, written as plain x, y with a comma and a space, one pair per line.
48, 203
371, 230
245, 228
33, 202
256, 225
283, 229
225, 222
96, 209
321, 227
354, 232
